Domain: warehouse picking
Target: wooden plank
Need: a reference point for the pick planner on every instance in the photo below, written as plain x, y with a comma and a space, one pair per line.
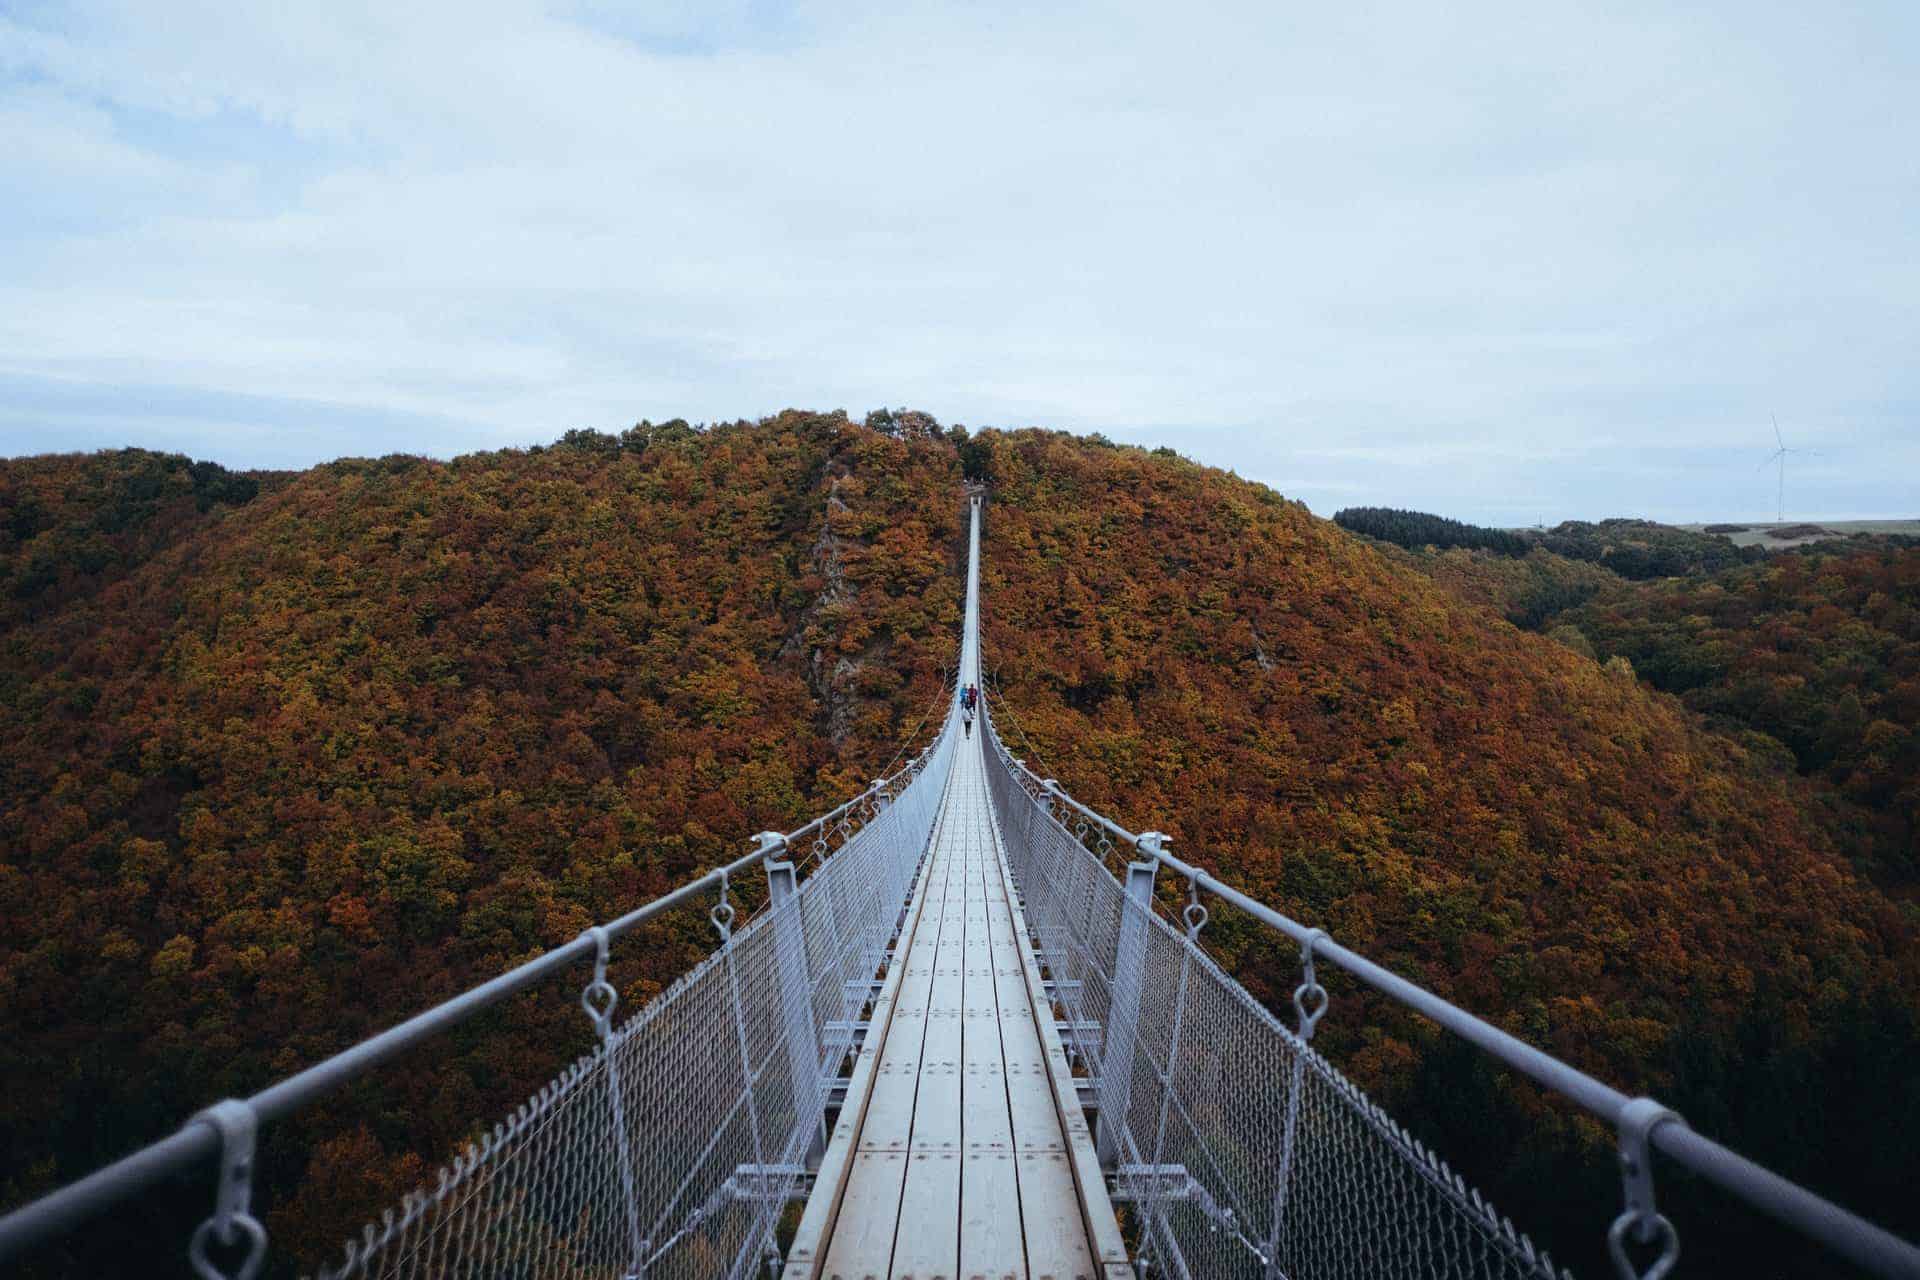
992, 1242
889, 1120
1010, 979
916, 986
936, 1108
949, 988
1036, 1126
944, 1036
983, 1036
863, 1234
985, 1121
905, 1033
1020, 1039
928, 1245
1056, 1237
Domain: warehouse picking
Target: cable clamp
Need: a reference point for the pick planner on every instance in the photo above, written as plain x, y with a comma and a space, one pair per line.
1310, 999
1195, 914
599, 997
1638, 1119
231, 1222
722, 913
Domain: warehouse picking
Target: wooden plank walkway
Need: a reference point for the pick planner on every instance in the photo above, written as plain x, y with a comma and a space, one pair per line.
961, 1153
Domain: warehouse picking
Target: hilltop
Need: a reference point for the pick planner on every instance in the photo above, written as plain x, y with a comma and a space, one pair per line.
1810, 652
309, 760
1774, 535
314, 756
1536, 834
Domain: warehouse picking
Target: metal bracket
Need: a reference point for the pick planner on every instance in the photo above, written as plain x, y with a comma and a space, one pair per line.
769, 1183
1638, 1119
236, 1124
1310, 999
1170, 1182
722, 913
599, 997
1194, 914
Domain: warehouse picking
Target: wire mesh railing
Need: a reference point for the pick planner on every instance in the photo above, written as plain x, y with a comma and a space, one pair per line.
671, 1149
1250, 1154
1242, 1151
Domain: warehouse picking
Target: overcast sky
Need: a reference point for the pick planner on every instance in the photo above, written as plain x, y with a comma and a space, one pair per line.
1509, 261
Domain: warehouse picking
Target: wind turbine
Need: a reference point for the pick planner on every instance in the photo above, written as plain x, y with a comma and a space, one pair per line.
1779, 456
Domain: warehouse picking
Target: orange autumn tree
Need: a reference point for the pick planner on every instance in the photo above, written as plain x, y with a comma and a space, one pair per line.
313, 760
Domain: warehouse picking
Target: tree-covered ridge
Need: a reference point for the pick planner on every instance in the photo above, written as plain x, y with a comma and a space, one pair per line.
1537, 836
1819, 650
1414, 529
1809, 655
401, 724
70, 524
1530, 591
1642, 549
394, 725
1635, 549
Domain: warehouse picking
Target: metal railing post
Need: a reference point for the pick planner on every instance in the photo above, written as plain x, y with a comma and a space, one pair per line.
796, 1001
1123, 1014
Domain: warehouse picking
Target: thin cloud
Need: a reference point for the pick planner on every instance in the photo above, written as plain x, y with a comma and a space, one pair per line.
1485, 246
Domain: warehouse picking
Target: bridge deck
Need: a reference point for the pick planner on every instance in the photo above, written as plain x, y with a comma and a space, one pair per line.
961, 1151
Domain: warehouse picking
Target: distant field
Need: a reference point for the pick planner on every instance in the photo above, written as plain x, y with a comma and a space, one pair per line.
1756, 531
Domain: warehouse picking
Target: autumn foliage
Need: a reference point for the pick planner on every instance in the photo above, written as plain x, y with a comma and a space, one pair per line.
1531, 833
1818, 650
316, 761
295, 764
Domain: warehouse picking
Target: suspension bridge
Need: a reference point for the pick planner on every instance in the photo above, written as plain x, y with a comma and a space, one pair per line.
962, 1046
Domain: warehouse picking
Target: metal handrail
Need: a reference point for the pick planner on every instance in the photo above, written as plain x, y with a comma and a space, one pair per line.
1848, 1234
200, 1138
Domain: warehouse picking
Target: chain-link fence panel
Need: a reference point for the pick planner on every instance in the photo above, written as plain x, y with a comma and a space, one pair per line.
670, 1151
1242, 1152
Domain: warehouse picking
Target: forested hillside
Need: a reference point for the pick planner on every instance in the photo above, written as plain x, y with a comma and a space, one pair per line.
1812, 655
1642, 549
1817, 649
69, 527
319, 757
1418, 529
1536, 835
361, 742
1627, 548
